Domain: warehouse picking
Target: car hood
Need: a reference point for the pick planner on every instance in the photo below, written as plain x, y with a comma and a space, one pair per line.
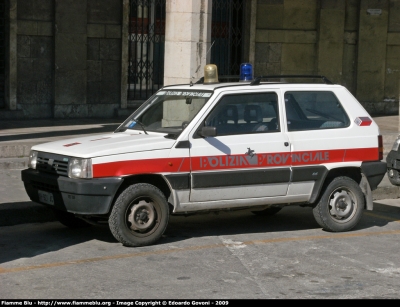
107, 144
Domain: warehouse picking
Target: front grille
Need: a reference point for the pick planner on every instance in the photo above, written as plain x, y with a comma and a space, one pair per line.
52, 163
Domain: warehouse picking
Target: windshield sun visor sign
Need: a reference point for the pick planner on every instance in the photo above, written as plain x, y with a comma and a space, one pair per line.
184, 93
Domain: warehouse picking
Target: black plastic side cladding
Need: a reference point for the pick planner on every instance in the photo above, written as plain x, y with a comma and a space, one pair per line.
240, 178
179, 181
308, 173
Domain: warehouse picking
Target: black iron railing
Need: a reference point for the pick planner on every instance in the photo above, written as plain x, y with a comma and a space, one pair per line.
147, 41
227, 35
146, 48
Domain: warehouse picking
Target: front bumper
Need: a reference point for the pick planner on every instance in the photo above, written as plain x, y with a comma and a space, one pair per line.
393, 167
79, 196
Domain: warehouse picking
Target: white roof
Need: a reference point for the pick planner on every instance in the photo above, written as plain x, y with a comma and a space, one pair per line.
214, 86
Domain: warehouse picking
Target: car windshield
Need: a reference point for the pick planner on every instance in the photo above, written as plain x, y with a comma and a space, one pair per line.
167, 111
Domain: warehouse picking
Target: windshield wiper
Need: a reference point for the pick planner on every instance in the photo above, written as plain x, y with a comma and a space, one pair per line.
141, 125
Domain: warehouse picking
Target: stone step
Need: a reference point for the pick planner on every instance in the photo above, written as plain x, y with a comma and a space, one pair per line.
14, 163
16, 150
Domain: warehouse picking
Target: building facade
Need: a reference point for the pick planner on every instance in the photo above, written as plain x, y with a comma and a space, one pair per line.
103, 58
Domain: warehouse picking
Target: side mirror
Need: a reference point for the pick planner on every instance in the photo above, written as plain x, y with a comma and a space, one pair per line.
208, 131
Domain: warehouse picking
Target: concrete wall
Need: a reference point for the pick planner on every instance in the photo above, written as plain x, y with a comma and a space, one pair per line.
35, 57
355, 43
68, 58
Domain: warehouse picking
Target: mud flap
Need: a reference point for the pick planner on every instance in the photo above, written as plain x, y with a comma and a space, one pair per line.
366, 189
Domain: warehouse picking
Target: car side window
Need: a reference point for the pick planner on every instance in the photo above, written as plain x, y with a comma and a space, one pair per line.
245, 114
314, 110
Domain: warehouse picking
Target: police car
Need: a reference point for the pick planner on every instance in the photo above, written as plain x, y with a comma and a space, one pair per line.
258, 144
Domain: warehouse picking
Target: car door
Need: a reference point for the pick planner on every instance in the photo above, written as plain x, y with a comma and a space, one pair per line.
317, 126
249, 156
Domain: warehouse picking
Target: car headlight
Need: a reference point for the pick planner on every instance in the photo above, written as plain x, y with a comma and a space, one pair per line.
80, 168
396, 144
32, 159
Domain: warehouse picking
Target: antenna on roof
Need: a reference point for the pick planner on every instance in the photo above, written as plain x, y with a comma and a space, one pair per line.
198, 67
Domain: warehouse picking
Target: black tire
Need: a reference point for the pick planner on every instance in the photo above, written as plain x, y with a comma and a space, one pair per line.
140, 215
341, 205
69, 219
267, 211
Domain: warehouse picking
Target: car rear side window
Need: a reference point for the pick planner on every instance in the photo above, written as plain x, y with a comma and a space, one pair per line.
314, 110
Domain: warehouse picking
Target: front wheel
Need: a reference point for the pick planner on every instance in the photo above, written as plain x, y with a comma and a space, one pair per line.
140, 215
341, 205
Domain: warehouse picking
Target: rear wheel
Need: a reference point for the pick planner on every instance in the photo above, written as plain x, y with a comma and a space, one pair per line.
140, 215
341, 205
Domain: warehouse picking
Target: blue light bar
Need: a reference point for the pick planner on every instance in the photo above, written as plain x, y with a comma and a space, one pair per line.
246, 72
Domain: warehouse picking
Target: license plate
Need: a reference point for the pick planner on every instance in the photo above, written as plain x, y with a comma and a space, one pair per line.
46, 197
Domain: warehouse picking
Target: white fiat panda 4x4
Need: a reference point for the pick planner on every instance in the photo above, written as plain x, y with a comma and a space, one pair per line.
209, 146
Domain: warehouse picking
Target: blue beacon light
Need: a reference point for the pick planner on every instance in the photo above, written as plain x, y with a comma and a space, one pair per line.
246, 72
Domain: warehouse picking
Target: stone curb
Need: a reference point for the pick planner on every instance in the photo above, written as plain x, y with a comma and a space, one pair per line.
25, 213
14, 163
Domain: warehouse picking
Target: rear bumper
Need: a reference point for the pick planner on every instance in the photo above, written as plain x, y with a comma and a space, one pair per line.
80, 196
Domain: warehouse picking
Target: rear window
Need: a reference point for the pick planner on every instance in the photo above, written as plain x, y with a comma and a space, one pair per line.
314, 110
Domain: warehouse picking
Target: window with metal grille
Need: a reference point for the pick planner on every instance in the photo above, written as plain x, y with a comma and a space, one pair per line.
146, 48
147, 41
227, 36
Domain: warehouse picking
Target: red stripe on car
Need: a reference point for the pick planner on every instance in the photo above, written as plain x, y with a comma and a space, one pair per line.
242, 161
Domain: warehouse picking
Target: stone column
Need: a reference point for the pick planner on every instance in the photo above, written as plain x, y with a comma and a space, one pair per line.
187, 40
70, 73
330, 39
372, 39
10, 94
124, 54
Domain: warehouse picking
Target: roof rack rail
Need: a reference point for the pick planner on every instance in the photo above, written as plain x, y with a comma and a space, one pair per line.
257, 80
